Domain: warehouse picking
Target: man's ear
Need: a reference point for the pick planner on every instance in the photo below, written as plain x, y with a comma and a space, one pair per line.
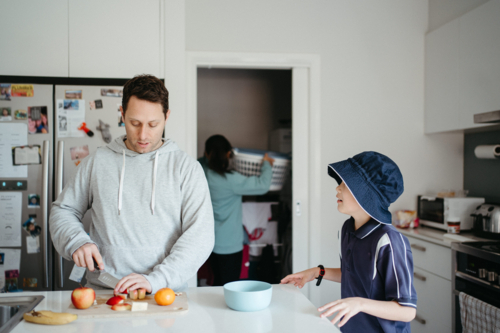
167, 115
123, 115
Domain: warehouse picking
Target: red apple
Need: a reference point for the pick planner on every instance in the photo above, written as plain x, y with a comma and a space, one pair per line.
83, 298
133, 294
141, 293
114, 300
121, 307
124, 296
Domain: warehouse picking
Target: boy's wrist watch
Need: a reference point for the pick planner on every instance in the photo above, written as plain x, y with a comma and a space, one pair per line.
321, 274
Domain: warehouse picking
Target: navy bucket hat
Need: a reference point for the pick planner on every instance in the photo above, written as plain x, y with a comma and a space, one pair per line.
373, 179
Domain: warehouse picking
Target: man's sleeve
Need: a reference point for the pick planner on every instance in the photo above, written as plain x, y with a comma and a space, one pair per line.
67, 211
395, 264
196, 243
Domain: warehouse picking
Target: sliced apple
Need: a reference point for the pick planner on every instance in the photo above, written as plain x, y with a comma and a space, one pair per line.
114, 300
141, 293
121, 307
124, 296
133, 294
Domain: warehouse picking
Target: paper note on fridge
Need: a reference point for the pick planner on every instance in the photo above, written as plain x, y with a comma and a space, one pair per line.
70, 115
12, 135
27, 155
10, 217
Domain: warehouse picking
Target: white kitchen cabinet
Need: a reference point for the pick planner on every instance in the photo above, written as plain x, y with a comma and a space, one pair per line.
34, 38
432, 282
462, 70
114, 38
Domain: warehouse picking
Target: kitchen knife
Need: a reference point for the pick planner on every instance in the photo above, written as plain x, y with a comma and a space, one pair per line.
105, 277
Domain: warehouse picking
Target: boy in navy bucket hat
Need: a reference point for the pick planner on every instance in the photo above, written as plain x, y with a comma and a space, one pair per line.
376, 261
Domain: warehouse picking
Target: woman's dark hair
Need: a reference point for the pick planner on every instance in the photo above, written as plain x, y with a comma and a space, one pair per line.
148, 88
217, 147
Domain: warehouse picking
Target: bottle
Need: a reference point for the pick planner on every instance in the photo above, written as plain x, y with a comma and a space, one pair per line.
453, 225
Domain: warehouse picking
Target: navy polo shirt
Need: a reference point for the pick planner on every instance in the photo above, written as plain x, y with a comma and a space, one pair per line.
376, 263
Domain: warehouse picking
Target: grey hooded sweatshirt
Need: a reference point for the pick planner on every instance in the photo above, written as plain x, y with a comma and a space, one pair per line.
151, 214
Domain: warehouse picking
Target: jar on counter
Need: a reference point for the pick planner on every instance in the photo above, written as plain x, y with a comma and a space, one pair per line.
453, 225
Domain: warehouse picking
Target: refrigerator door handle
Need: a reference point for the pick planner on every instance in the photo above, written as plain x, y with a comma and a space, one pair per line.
45, 208
58, 190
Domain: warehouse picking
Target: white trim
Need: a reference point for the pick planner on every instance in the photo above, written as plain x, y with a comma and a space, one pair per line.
339, 236
308, 249
383, 241
407, 269
338, 174
378, 225
394, 266
410, 304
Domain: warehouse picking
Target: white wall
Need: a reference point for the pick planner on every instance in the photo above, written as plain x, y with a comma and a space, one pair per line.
372, 87
444, 11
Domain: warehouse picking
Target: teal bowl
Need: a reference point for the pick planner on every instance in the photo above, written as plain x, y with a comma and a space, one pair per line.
248, 295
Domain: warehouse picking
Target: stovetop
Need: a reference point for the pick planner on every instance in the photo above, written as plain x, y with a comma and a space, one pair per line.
492, 247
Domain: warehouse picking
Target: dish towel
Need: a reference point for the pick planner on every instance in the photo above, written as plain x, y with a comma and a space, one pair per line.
478, 316
256, 215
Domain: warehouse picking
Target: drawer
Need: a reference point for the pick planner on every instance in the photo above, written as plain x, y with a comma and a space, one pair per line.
434, 302
431, 257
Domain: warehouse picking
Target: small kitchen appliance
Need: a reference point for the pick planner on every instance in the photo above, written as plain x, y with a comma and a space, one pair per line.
487, 221
435, 212
476, 266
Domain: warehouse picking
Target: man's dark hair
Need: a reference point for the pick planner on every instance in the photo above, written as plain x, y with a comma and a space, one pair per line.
148, 88
217, 147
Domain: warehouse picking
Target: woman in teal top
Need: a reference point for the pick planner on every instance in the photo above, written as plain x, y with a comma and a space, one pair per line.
226, 190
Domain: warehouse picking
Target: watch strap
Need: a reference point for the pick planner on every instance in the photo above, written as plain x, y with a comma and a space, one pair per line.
321, 274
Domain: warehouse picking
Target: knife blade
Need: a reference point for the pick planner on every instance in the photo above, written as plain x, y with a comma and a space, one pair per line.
105, 277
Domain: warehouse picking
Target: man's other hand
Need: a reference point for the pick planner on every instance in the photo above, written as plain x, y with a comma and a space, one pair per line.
83, 257
132, 282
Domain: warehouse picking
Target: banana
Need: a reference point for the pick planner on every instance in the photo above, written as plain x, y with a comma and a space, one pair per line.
49, 317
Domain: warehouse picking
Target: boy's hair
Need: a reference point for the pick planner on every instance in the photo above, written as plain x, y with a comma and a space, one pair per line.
148, 88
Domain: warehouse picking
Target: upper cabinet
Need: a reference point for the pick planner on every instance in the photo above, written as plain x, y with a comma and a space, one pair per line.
462, 70
34, 38
114, 38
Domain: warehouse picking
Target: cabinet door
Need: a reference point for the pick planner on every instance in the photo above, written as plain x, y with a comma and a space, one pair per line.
34, 38
479, 62
441, 79
114, 38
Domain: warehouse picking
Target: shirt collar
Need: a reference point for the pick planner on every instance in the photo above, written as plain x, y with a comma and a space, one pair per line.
365, 230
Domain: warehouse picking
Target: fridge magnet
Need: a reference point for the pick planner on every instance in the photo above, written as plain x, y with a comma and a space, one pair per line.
21, 90
31, 228
33, 201
120, 118
5, 91
37, 120
6, 114
11, 280
104, 128
21, 114
79, 153
83, 127
97, 104
73, 94
2, 258
32, 244
24, 155
112, 92
70, 114
30, 282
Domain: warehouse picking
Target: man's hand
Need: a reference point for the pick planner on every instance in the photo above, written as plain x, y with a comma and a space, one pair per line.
133, 281
347, 308
83, 257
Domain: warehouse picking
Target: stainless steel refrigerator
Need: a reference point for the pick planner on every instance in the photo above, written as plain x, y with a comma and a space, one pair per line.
60, 154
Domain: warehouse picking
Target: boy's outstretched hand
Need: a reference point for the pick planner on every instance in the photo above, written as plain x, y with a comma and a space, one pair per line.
346, 308
301, 278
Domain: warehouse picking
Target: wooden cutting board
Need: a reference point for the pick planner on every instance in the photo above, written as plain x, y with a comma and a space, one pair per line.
102, 310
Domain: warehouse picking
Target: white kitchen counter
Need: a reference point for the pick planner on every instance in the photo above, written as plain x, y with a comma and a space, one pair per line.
289, 311
438, 237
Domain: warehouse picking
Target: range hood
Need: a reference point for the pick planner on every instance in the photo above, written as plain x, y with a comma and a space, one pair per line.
487, 117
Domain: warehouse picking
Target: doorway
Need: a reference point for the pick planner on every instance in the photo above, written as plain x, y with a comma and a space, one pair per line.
305, 143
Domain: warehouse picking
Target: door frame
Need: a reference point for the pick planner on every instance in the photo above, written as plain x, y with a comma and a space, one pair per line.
306, 137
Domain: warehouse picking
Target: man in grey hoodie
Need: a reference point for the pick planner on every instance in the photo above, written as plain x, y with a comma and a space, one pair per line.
152, 218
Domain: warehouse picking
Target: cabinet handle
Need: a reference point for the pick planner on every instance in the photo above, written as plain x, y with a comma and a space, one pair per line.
418, 247
420, 319
419, 276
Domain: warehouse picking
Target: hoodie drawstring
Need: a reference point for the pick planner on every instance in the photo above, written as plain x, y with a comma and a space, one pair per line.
120, 190
154, 183
121, 185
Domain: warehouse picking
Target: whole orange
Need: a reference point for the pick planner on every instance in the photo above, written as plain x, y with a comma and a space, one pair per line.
165, 296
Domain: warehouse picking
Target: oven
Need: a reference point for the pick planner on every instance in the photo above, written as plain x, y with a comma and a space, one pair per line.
476, 266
